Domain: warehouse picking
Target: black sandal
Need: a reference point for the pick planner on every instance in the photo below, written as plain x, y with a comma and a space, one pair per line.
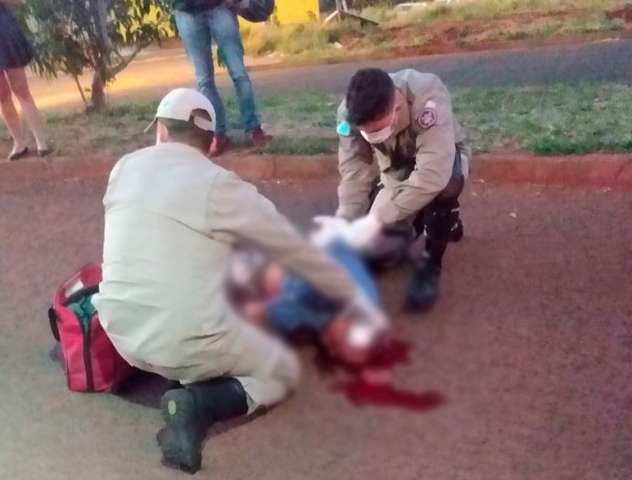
44, 152
21, 154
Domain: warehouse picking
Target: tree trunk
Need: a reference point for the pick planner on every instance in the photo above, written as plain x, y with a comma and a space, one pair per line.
97, 97
102, 52
80, 88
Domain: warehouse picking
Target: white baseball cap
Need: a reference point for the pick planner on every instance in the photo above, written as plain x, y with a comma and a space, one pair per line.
179, 104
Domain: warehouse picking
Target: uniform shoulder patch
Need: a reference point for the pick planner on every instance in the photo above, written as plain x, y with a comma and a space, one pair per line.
428, 117
343, 129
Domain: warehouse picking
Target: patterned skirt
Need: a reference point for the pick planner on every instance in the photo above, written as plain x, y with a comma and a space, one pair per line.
15, 49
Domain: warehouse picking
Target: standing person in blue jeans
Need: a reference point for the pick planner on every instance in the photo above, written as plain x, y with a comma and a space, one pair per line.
199, 22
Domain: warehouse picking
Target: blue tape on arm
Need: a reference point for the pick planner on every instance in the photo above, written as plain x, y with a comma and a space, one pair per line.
344, 129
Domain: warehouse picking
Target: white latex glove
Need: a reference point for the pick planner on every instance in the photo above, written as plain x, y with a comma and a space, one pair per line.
328, 229
360, 234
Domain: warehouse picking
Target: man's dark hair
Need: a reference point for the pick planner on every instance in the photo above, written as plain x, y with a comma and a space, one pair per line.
188, 132
370, 95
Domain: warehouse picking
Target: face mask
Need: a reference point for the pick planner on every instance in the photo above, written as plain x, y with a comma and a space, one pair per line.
378, 137
381, 135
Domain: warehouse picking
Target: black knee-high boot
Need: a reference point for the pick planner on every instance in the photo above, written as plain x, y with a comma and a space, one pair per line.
456, 224
188, 413
442, 224
439, 222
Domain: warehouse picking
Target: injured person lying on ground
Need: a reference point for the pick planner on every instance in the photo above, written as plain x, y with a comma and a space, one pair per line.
266, 294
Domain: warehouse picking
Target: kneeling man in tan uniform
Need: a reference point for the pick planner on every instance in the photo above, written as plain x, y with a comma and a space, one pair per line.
172, 218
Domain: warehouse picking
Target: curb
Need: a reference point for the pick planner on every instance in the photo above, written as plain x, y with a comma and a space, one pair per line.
613, 170
591, 170
30, 171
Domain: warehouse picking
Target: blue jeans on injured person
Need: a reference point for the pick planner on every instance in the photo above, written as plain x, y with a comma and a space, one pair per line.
218, 24
301, 307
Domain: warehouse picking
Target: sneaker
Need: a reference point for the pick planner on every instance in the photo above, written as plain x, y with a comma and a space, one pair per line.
259, 138
220, 144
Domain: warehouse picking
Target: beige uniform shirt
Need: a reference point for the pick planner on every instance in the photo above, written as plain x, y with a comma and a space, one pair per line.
414, 165
171, 220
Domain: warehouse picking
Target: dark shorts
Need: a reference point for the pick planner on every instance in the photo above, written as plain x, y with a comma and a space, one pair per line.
15, 50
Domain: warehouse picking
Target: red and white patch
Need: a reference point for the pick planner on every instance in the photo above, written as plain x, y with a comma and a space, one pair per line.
429, 116
427, 119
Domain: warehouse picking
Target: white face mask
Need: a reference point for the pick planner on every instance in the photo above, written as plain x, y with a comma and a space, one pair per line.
381, 135
378, 137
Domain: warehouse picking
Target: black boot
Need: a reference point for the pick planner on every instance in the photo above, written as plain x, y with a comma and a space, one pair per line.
456, 231
181, 439
424, 288
454, 220
189, 412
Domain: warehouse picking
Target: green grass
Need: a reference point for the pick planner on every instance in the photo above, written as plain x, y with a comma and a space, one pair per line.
291, 145
560, 119
312, 42
118, 130
481, 9
568, 118
552, 27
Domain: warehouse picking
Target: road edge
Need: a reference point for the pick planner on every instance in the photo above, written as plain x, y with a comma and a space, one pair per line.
612, 170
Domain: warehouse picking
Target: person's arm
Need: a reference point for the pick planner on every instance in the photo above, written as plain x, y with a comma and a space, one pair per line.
357, 169
436, 151
237, 209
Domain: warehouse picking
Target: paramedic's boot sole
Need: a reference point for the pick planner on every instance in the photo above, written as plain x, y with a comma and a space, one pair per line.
181, 440
423, 291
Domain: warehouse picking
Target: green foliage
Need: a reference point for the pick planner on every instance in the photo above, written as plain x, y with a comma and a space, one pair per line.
102, 36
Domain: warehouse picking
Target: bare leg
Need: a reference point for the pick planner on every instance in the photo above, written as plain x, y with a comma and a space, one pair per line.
10, 115
20, 88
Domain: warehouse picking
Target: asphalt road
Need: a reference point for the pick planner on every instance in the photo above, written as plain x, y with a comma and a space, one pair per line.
528, 348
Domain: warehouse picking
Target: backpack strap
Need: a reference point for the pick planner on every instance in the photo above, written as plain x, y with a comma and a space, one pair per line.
52, 314
79, 294
52, 319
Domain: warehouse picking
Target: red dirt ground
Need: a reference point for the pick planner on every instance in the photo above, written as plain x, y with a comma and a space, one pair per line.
477, 34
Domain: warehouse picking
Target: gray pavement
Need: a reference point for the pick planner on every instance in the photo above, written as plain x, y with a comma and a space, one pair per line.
530, 346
